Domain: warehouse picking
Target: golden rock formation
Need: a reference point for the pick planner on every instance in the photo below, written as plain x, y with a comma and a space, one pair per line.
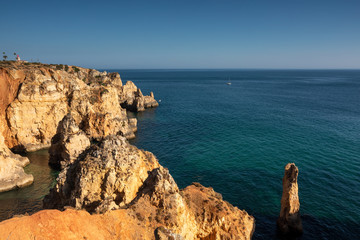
289, 221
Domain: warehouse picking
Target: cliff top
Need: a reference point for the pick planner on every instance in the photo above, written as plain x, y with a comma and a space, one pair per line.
30, 65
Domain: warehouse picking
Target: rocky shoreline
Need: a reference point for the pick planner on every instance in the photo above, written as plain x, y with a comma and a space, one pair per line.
81, 115
35, 97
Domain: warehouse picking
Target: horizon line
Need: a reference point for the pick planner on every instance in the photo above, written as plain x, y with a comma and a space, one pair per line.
356, 69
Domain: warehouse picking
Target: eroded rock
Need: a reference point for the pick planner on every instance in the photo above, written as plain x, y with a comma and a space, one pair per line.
12, 174
289, 221
133, 100
67, 144
216, 218
42, 95
107, 176
114, 175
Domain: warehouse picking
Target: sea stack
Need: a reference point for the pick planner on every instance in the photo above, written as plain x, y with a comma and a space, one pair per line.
289, 222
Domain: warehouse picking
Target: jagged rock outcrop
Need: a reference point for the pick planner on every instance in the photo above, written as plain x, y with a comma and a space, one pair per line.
289, 221
116, 175
107, 176
35, 97
48, 92
67, 144
216, 218
133, 100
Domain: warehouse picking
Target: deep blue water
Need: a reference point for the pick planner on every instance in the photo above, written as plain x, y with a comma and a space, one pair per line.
238, 138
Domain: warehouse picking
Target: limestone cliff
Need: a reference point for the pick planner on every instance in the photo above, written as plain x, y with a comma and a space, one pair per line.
12, 174
48, 92
34, 98
289, 221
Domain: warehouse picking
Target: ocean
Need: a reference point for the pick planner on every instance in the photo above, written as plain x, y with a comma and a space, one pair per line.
238, 138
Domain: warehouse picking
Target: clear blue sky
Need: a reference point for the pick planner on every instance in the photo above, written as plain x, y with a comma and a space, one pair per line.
184, 34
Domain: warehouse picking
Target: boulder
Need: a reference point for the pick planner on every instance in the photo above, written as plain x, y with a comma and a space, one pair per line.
106, 176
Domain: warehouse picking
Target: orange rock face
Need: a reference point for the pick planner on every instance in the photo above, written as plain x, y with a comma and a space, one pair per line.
74, 224
217, 219
10, 81
200, 214
12, 174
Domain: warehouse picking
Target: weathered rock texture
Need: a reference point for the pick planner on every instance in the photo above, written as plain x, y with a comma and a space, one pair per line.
35, 97
289, 221
133, 99
12, 174
42, 95
116, 175
67, 144
107, 176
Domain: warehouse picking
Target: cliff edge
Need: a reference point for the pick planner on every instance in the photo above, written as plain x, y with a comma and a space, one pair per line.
34, 97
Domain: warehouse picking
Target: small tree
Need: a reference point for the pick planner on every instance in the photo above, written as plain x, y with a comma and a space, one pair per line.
4, 57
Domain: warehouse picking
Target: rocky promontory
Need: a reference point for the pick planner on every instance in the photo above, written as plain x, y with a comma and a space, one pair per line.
34, 97
48, 92
107, 188
115, 176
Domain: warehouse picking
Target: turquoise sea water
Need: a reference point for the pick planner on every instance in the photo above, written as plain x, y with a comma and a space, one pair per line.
238, 138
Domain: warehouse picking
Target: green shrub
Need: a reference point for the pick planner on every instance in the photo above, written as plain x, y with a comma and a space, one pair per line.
59, 67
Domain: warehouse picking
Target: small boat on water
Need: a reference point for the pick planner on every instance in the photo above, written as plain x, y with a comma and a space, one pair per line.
229, 82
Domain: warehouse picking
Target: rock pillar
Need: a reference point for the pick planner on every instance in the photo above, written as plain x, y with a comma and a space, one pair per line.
289, 221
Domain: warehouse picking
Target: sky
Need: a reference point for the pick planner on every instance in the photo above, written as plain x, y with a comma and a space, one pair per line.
184, 34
